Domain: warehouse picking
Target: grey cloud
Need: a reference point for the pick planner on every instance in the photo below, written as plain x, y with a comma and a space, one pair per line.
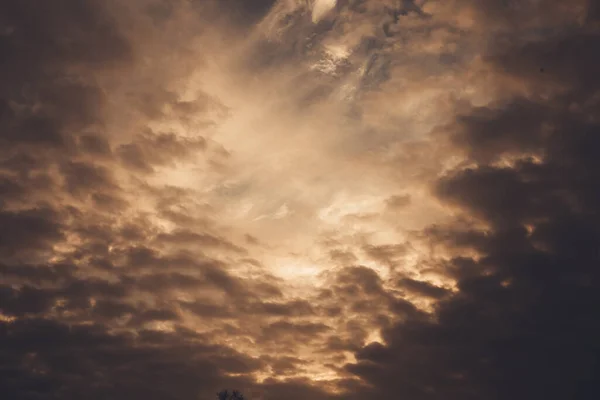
284, 365
202, 240
83, 291
85, 177
298, 308
398, 201
26, 300
247, 12
364, 278
520, 324
490, 133
109, 202
209, 309
31, 230
85, 294
343, 257
386, 254
301, 330
39, 357
422, 288
38, 274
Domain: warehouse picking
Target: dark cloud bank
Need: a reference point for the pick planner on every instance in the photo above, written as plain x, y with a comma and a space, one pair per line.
524, 323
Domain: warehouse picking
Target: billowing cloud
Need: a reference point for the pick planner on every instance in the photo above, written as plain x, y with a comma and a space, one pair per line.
299, 199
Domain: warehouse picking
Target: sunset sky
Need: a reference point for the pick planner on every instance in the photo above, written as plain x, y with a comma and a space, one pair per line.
300, 199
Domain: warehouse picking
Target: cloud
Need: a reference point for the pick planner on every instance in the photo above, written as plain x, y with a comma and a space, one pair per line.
521, 319
322, 200
28, 230
422, 288
112, 365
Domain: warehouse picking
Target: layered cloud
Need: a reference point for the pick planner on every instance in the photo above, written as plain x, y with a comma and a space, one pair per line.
299, 199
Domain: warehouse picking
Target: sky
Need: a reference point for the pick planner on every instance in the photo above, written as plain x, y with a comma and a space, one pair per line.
300, 199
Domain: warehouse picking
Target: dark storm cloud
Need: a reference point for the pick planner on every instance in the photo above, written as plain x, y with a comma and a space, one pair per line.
491, 133
38, 274
94, 295
249, 304
61, 326
28, 230
67, 18
566, 60
45, 352
49, 360
362, 279
284, 364
357, 304
422, 288
298, 308
304, 331
523, 323
27, 300
46, 99
94, 144
247, 12
164, 272
47, 48
10, 189
84, 177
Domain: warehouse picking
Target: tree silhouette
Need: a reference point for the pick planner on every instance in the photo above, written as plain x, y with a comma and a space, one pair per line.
226, 395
